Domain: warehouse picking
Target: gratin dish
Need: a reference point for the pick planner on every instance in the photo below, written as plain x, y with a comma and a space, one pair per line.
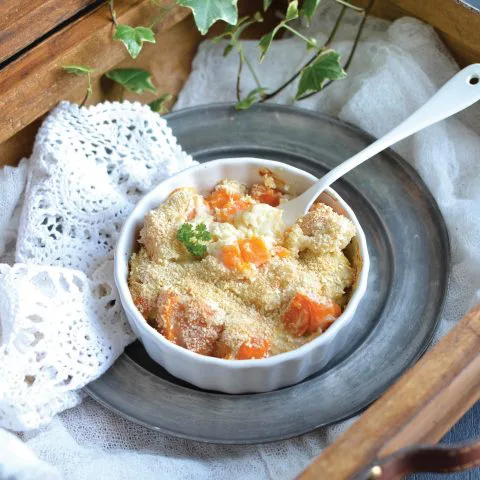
251, 375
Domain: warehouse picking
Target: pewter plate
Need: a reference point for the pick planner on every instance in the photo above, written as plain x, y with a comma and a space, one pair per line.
394, 323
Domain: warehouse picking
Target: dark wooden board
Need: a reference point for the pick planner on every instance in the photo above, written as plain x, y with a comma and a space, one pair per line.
24, 22
420, 408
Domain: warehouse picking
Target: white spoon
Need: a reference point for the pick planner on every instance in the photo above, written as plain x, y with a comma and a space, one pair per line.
458, 93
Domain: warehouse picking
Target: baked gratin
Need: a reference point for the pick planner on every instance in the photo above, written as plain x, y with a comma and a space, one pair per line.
220, 275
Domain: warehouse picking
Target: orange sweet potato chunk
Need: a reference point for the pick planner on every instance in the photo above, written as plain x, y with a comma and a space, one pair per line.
255, 348
254, 250
188, 322
304, 315
263, 194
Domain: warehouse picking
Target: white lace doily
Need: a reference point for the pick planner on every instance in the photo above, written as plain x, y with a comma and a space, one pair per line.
88, 169
62, 324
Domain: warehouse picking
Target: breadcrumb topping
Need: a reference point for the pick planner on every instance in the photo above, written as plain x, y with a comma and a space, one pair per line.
257, 282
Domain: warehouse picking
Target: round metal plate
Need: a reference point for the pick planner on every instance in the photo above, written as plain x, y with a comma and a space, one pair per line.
394, 324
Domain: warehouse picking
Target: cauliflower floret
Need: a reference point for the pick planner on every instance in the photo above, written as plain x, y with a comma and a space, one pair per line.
222, 234
159, 232
320, 231
233, 187
336, 272
261, 220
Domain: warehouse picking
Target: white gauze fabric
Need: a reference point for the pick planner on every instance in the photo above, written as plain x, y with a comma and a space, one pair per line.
396, 68
12, 183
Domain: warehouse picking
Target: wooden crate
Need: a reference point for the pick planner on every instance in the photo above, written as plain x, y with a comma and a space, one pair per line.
32, 80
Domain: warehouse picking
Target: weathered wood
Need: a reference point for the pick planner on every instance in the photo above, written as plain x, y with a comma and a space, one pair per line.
169, 60
33, 84
457, 25
21, 23
420, 408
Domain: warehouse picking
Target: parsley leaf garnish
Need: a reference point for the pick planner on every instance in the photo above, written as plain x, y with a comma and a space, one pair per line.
194, 238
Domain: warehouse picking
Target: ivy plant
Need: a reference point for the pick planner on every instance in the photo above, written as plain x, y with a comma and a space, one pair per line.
321, 70
82, 70
133, 38
324, 67
159, 104
134, 80
207, 12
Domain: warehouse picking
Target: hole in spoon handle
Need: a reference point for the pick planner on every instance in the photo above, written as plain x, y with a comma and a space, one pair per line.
474, 80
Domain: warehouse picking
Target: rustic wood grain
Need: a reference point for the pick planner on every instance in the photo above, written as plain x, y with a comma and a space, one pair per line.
23, 22
457, 25
420, 408
36, 82
169, 60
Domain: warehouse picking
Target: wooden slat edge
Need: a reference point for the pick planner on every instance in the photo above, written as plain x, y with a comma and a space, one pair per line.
21, 23
421, 407
457, 25
34, 83
449, 16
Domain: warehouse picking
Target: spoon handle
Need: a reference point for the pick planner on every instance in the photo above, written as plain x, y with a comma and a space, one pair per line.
458, 93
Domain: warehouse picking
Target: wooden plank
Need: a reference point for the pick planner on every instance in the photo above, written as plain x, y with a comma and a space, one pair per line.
420, 408
457, 25
21, 23
33, 84
448, 16
169, 60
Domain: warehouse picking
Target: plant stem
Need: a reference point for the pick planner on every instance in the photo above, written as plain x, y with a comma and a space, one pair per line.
239, 73
349, 5
84, 99
299, 35
252, 71
336, 26
122, 94
352, 51
112, 12
242, 58
89, 90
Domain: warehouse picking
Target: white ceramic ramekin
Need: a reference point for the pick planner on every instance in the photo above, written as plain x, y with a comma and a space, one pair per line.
241, 376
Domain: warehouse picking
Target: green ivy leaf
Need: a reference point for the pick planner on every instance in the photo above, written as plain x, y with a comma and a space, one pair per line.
253, 97
309, 7
228, 49
313, 44
292, 11
207, 12
265, 42
266, 4
133, 79
325, 67
78, 69
158, 105
133, 38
